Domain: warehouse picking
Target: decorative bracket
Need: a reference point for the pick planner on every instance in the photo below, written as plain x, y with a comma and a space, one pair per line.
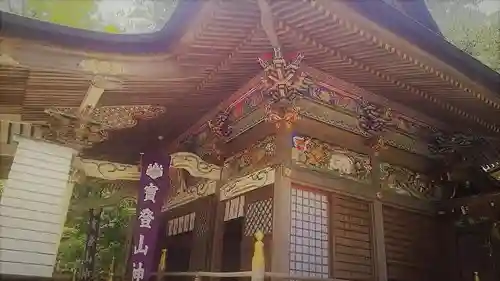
280, 78
196, 166
374, 121
82, 127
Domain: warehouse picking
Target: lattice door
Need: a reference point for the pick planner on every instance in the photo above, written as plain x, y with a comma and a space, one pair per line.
259, 216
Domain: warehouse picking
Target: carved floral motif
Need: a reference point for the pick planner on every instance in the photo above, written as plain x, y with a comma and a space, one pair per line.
247, 104
114, 117
220, 125
71, 130
282, 115
405, 182
67, 125
352, 104
258, 155
449, 143
316, 154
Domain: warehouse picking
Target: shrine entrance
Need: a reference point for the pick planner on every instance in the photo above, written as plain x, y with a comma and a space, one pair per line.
231, 246
179, 254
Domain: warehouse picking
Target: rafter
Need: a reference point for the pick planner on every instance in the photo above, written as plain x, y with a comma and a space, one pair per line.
328, 9
297, 34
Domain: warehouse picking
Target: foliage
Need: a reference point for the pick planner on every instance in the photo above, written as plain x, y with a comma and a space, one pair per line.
110, 16
471, 27
56, 11
113, 232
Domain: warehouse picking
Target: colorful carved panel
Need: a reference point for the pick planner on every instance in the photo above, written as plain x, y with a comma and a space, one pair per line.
351, 104
249, 103
259, 216
309, 234
405, 182
318, 155
257, 156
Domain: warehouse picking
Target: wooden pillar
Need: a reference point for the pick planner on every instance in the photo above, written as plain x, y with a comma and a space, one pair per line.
217, 226
378, 219
379, 241
280, 245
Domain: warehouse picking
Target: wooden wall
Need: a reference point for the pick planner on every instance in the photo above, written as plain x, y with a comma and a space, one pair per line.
411, 243
410, 239
351, 230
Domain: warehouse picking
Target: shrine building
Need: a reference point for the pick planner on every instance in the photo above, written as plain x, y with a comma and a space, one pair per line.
349, 137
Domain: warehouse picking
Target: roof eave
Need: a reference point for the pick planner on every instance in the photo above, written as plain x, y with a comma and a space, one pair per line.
433, 43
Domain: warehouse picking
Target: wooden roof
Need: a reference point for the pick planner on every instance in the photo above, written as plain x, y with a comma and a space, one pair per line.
216, 55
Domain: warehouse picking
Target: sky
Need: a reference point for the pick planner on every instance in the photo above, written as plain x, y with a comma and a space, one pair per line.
489, 6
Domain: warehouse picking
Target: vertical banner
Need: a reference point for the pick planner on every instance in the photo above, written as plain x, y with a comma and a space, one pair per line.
154, 183
91, 245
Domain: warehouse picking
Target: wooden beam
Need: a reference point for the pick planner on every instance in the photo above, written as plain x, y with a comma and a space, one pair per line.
220, 108
90, 100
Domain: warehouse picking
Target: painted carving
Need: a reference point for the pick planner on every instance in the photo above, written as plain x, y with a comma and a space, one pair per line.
185, 187
69, 126
115, 117
374, 120
448, 143
247, 183
220, 125
318, 155
351, 104
106, 170
282, 115
72, 131
257, 156
183, 192
280, 78
203, 143
196, 166
246, 105
405, 182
